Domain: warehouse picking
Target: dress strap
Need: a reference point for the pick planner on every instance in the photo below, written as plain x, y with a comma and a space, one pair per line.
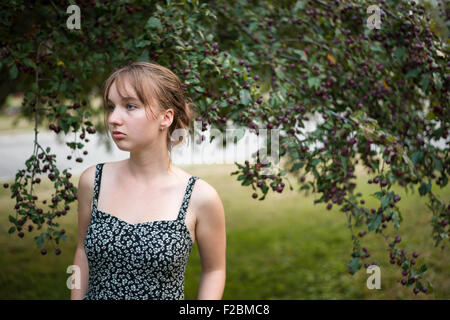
98, 179
187, 196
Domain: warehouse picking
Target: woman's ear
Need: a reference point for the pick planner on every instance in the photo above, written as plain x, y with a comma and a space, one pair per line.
167, 118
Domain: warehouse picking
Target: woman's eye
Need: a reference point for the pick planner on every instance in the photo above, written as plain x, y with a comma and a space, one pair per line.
110, 107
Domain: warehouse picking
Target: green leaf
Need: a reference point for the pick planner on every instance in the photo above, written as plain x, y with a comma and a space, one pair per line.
419, 285
399, 53
315, 162
199, 89
354, 265
396, 219
62, 110
154, 23
378, 195
64, 125
143, 43
425, 188
416, 156
438, 164
313, 82
301, 53
424, 82
374, 221
376, 48
208, 61
298, 6
430, 116
265, 188
73, 119
245, 97
385, 201
297, 166
144, 56
413, 73
444, 181
279, 73
438, 83
13, 72
40, 240
29, 63
423, 268
12, 229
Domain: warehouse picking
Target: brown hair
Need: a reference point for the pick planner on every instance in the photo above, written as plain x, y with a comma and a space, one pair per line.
155, 85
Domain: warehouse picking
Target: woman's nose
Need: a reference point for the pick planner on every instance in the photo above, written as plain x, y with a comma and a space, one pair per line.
114, 117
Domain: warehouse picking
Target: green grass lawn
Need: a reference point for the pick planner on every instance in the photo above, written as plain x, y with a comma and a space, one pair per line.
10, 121
284, 247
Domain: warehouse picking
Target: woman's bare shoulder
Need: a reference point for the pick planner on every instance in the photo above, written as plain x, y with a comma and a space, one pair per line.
201, 187
203, 194
206, 200
87, 177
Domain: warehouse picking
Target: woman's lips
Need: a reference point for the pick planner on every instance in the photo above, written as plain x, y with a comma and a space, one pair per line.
118, 135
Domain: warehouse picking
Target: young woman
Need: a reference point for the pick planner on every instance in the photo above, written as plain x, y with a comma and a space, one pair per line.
138, 218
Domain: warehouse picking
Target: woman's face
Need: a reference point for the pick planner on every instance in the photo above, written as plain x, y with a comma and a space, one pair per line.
128, 115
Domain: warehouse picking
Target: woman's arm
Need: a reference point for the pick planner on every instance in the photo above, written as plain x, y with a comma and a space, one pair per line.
211, 240
84, 196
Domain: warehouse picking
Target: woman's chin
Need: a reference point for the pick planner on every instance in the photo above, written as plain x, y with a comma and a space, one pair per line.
122, 147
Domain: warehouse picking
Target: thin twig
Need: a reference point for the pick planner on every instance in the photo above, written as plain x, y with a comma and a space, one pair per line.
35, 152
322, 4
306, 41
290, 57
